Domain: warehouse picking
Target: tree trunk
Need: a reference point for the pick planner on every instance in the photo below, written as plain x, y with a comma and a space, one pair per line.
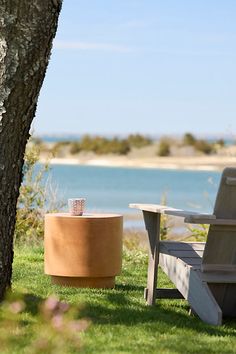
27, 29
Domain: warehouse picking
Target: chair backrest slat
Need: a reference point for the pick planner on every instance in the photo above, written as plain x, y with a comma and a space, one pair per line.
220, 247
221, 241
225, 204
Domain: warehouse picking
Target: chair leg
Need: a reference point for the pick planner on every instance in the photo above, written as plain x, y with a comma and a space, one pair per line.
152, 223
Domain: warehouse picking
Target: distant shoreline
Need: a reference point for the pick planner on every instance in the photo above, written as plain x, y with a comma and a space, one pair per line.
197, 163
139, 151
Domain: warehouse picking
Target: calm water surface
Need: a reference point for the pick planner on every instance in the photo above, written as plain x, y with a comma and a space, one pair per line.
112, 189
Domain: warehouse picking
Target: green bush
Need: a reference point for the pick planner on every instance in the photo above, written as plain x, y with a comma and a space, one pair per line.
204, 147
88, 143
198, 234
116, 146
75, 147
100, 145
164, 148
138, 140
189, 139
200, 144
34, 199
164, 228
31, 199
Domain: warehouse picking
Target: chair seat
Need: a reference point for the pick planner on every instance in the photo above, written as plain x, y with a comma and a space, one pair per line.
189, 252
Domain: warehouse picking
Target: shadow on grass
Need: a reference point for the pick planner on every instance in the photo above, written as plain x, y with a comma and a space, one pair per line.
163, 316
123, 307
32, 303
129, 287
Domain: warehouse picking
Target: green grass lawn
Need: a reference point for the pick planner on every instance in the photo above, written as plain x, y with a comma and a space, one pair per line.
120, 320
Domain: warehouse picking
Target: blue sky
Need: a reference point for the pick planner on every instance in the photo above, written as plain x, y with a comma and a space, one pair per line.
148, 66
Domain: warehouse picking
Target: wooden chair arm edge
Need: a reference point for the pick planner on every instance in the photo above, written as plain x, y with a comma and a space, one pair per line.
163, 209
154, 208
208, 221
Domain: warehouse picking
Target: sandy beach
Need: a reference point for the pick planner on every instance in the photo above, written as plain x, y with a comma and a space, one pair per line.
201, 163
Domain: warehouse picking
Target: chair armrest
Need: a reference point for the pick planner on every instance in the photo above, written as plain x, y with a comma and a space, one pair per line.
155, 208
198, 219
163, 209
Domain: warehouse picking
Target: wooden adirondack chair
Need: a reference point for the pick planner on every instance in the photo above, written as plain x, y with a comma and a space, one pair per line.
203, 273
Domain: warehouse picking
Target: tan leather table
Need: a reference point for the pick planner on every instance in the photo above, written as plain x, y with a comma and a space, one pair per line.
83, 251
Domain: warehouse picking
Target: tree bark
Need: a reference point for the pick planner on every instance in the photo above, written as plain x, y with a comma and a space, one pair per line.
27, 29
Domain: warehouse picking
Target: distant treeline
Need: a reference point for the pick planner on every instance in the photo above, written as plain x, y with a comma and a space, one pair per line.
200, 145
102, 145
122, 146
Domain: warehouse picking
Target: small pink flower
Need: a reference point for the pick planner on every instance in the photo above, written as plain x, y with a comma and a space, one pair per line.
17, 306
51, 304
57, 321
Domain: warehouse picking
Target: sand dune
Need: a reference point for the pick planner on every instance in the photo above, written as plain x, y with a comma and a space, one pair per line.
207, 163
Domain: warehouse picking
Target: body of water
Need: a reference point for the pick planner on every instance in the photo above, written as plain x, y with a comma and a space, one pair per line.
112, 189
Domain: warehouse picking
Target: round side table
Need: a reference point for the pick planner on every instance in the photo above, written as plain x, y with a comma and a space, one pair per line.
83, 251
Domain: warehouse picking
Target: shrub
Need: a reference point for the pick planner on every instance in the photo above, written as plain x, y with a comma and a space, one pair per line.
100, 145
199, 144
189, 139
204, 146
164, 228
35, 198
198, 234
119, 147
75, 147
164, 148
138, 140
88, 143
220, 142
59, 147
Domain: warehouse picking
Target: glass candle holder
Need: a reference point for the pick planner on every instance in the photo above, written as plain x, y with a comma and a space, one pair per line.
76, 206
